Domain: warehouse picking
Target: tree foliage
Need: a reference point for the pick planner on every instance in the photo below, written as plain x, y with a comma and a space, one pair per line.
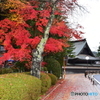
22, 26
98, 52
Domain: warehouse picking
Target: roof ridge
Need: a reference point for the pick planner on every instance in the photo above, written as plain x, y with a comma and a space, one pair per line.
78, 40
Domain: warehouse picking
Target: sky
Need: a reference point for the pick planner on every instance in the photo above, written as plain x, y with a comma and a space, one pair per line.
90, 20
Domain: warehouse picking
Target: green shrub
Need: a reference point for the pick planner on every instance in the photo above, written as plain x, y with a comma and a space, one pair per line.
15, 69
53, 66
46, 82
19, 86
5, 70
0, 70
44, 69
53, 78
20, 66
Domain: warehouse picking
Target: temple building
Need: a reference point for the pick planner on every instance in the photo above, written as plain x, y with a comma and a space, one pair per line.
83, 54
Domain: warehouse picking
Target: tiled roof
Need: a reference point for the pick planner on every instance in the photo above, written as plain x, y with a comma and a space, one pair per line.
82, 51
80, 45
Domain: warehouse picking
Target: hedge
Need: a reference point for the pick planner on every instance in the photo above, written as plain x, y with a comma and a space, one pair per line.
19, 86
5, 70
46, 82
53, 79
53, 66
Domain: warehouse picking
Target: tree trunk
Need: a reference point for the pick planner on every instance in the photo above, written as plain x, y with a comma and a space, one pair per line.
37, 53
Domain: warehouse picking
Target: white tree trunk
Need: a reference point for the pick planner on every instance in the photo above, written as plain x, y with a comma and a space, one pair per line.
37, 53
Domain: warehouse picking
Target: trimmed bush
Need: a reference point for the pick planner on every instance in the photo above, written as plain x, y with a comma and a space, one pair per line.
53, 66
19, 86
46, 82
0, 70
44, 69
5, 70
15, 69
53, 79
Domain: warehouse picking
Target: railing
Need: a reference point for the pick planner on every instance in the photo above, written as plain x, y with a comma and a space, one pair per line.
95, 80
90, 74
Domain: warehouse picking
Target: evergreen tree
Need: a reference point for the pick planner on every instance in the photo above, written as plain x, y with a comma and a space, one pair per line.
98, 52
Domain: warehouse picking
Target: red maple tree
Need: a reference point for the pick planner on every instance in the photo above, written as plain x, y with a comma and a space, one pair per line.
21, 34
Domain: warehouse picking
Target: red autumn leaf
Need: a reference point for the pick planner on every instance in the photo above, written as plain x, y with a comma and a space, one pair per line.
21, 37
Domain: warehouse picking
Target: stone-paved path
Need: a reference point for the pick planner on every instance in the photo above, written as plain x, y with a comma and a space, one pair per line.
75, 83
